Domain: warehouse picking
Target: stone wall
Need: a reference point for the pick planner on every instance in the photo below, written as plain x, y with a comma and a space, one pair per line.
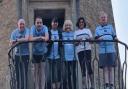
90, 10
8, 19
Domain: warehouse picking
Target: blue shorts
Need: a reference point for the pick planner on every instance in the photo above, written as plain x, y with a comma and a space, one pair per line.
107, 60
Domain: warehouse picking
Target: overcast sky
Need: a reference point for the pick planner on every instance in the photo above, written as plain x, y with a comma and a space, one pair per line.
120, 9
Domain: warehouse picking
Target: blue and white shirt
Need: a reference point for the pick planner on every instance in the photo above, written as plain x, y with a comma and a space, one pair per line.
22, 49
54, 54
39, 48
68, 46
83, 34
107, 33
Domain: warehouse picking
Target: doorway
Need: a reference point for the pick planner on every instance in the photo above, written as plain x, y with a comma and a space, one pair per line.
48, 14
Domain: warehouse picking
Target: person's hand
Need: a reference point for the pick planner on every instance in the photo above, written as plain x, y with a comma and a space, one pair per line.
78, 42
116, 39
42, 38
100, 38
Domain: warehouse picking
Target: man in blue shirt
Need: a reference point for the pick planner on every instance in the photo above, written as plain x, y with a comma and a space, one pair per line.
107, 57
21, 34
39, 32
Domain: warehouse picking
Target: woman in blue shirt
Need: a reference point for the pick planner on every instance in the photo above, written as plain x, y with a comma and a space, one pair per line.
53, 55
69, 55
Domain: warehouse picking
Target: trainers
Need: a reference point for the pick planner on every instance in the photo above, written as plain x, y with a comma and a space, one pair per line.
111, 86
107, 86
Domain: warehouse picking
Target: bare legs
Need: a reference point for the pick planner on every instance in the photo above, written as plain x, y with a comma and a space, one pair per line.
109, 76
39, 75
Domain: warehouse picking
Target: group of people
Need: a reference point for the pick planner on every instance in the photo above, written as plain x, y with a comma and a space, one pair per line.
55, 52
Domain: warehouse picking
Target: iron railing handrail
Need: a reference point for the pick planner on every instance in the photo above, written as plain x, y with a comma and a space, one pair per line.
96, 41
95, 60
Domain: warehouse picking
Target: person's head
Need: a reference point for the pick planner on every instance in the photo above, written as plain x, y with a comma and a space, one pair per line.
81, 23
21, 24
38, 22
54, 23
103, 18
68, 26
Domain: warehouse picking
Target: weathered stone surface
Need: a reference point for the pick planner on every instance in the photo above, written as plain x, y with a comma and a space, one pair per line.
7, 23
90, 10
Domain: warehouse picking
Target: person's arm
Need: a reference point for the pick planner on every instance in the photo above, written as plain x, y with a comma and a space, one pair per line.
76, 43
97, 36
12, 39
12, 42
46, 37
31, 36
27, 32
90, 36
114, 33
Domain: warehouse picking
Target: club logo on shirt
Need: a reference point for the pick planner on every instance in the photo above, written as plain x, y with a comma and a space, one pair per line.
105, 30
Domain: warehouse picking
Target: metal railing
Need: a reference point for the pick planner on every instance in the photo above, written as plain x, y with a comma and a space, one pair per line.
98, 74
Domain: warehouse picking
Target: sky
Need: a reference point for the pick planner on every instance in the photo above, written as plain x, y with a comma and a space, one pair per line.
120, 11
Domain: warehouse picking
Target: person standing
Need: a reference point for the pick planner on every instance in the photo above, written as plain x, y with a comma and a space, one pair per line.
83, 50
107, 52
54, 54
21, 34
69, 55
39, 32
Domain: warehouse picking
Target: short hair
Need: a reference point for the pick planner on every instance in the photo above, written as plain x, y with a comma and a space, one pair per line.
38, 17
68, 22
21, 20
81, 18
102, 13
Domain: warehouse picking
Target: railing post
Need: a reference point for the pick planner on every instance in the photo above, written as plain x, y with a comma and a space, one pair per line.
30, 69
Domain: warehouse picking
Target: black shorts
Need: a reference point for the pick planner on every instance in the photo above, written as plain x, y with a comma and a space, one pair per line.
38, 58
85, 62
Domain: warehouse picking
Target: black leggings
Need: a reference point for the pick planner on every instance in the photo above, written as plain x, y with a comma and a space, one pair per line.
70, 75
85, 61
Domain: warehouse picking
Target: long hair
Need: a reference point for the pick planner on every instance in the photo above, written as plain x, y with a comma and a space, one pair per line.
78, 21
